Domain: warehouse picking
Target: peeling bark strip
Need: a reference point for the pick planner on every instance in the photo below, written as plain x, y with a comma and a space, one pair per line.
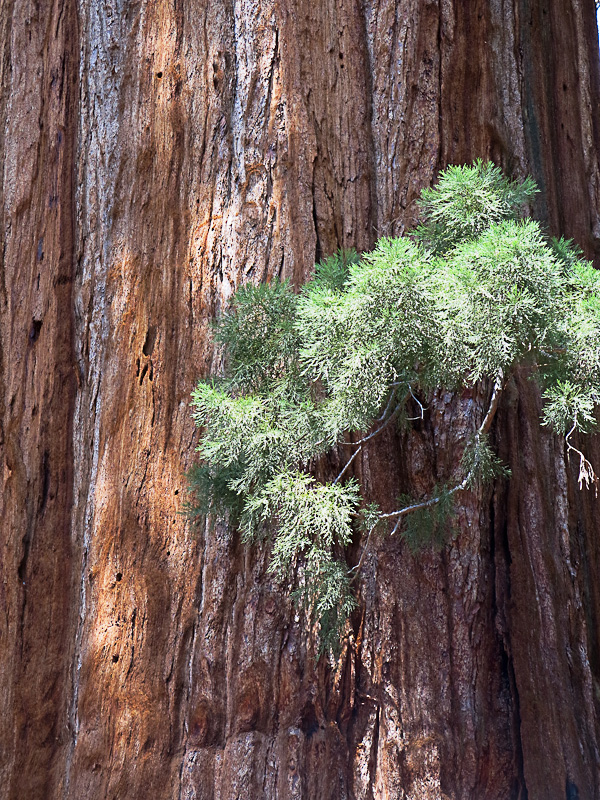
155, 155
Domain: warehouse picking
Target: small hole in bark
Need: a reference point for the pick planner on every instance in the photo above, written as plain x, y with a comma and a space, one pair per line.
159, 74
176, 491
34, 331
115, 659
564, 87
309, 724
119, 576
150, 340
572, 792
168, 552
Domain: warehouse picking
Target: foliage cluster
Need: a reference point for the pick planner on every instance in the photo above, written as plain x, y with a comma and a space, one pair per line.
473, 292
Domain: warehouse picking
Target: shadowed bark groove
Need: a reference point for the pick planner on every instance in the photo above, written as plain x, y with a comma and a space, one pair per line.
155, 155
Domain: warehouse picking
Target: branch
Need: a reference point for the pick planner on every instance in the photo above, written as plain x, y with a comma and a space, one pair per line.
493, 407
356, 569
423, 410
586, 470
350, 460
481, 431
375, 433
366, 439
389, 403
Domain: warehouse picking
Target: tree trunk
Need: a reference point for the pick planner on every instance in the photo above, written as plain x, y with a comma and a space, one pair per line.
155, 155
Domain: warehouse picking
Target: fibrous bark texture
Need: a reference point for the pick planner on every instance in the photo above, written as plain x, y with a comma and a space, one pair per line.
156, 154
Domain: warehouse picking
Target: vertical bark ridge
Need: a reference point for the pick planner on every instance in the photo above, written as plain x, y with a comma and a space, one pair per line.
39, 384
543, 575
560, 125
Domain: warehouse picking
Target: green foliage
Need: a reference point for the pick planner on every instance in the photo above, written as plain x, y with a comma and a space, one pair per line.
327, 599
306, 514
427, 525
473, 293
468, 200
213, 493
260, 337
570, 407
479, 462
332, 273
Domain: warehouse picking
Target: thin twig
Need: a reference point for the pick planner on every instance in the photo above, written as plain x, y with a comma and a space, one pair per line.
493, 407
481, 431
586, 470
381, 428
433, 501
375, 433
419, 403
389, 403
362, 441
350, 460
357, 568
365, 439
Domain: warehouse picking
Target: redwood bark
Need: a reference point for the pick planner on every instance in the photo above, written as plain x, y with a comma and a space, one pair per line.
155, 155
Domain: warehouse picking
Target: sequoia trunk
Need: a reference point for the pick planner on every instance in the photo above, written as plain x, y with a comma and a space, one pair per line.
155, 155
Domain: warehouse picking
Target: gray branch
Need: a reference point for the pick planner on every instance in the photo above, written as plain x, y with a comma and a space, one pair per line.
481, 431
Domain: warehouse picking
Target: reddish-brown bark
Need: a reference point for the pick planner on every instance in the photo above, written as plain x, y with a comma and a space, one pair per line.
154, 156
